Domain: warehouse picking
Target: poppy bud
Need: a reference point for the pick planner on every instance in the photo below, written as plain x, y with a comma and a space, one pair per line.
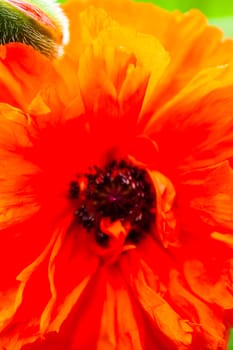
38, 23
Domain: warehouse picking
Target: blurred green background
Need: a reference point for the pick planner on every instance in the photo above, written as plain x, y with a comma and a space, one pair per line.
219, 12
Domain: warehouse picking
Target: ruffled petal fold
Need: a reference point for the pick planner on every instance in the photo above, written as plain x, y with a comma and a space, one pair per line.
172, 328
113, 66
215, 288
206, 200
197, 123
71, 267
210, 332
20, 67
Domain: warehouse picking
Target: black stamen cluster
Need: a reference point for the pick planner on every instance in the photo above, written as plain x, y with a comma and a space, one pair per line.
119, 191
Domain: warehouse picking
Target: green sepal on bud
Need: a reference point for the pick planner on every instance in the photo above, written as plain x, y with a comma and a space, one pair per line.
38, 23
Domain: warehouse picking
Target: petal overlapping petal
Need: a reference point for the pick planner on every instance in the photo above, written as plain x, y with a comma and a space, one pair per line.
138, 85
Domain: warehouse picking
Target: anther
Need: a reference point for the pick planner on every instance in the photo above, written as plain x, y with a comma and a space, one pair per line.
74, 190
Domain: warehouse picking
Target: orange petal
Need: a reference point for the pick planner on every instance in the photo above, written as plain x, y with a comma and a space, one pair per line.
192, 56
225, 238
145, 151
206, 200
191, 120
77, 332
136, 15
208, 324
18, 76
118, 66
82, 327
166, 222
215, 291
119, 328
155, 307
20, 322
170, 29
67, 279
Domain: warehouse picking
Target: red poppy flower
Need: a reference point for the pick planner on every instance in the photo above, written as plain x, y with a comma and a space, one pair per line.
116, 185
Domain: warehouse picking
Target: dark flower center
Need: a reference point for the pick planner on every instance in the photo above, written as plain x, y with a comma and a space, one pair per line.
119, 191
